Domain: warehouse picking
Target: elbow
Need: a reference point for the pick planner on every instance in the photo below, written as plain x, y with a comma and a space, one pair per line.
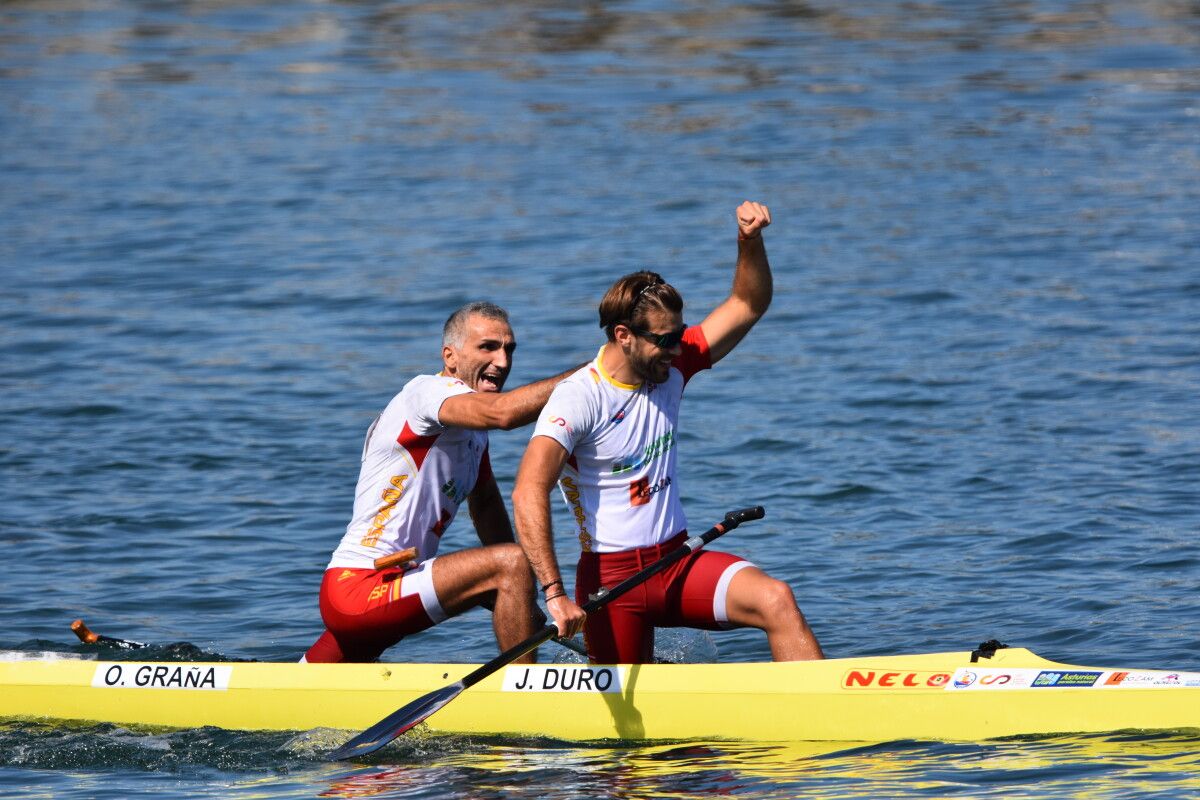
759, 301
507, 415
519, 496
511, 422
525, 497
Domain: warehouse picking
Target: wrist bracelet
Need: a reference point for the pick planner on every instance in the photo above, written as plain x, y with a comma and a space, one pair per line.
551, 583
556, 596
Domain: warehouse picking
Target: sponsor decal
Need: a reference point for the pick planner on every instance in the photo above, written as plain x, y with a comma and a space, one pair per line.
652, 451
999, 679
1066, 678
454, 491
560, 422
880, 679
548, 678
641, 490
131, 675
978, 679
965, 679
1149, 680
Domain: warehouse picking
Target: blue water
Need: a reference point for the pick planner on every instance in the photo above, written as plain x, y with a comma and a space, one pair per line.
230, 231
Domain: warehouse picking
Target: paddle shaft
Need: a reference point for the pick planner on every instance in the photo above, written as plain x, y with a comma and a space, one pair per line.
420, 709
606, 596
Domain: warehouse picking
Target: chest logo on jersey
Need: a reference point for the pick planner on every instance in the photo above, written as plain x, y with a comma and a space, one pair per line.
640, 491
454, 491
656, 448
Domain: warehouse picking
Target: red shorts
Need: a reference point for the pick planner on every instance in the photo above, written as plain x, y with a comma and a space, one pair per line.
366, 611
689, 593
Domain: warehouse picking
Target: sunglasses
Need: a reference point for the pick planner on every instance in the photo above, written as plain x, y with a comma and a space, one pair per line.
663, 341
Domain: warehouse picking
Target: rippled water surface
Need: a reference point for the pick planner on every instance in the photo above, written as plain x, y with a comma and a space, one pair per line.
230, 231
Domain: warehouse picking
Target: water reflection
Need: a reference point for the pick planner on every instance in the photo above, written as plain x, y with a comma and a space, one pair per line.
1091, 766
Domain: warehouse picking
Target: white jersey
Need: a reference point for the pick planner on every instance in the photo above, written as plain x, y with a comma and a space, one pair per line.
620, 479
415, 473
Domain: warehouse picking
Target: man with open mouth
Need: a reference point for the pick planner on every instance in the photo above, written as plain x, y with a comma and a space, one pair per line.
423, 455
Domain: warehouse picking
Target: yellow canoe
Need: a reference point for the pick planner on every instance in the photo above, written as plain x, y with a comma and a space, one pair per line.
940, 696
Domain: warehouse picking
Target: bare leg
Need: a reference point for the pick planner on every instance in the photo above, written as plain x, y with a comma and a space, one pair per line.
760, 601
498, 577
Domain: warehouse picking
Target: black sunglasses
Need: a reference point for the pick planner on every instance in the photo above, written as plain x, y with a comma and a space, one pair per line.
663, 341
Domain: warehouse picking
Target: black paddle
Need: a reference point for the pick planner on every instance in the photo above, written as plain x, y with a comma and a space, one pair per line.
86, 636
425, 706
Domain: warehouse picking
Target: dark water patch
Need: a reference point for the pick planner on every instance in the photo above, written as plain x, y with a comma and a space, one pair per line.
762, 445
112, 748
87, 411
1085, 605
1170, 564
896, 402
169, 651
1041, 542
929, 297
847, 492
38, 347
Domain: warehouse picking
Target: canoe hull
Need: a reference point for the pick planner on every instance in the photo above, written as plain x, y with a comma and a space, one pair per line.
941, 696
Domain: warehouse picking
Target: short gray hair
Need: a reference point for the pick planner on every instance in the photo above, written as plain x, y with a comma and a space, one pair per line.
455, 329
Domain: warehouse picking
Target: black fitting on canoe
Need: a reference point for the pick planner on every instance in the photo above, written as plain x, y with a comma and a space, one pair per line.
987, 649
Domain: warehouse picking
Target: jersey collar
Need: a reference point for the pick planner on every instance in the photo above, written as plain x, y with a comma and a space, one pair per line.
629, 387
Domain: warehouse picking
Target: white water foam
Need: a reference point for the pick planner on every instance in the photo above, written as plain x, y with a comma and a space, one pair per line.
26, 655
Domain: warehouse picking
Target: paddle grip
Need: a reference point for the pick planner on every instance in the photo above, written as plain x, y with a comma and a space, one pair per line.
735, 518
84, 633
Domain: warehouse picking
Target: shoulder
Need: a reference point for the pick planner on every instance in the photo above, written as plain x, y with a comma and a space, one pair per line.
422, 398
695, 354
573, 407
436, 383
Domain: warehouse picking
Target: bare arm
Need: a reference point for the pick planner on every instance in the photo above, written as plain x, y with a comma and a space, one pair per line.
504, 410
540, 468
488, 513
752, 286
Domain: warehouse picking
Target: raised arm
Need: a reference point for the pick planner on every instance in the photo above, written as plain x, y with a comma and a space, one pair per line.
503, 410
752, 286
540, 468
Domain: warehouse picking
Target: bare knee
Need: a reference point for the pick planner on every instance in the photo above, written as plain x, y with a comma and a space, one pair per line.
778, 603
512, 568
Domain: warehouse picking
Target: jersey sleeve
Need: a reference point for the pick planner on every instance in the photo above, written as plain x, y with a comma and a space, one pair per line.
695, 355
427, 398
568, 417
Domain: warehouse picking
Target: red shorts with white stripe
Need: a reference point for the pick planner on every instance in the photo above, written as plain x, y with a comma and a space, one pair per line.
366, 611
690, 593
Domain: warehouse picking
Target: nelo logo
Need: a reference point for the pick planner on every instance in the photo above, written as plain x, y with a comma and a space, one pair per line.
871, 679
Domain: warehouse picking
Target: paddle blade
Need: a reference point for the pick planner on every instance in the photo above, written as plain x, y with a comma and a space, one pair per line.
397, 723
